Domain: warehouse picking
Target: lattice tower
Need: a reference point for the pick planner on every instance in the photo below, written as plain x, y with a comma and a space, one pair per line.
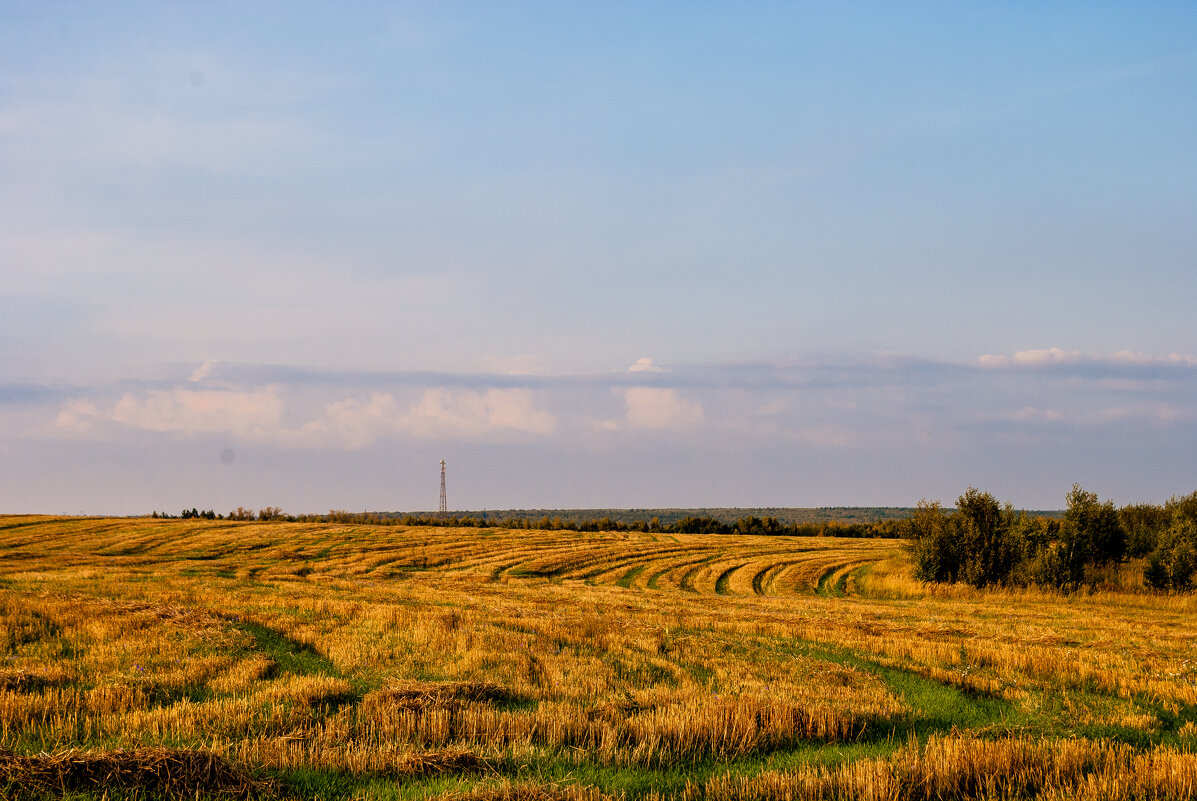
444, 498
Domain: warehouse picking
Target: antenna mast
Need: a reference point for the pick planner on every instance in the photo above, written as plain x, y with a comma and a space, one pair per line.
444, 501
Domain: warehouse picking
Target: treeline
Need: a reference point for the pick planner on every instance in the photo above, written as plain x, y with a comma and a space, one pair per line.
982, 542
240, 513
749, 524
729, 515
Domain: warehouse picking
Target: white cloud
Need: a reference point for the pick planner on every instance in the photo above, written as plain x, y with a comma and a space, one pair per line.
453, 414
645, 365
1047, 357
78, 415
1156, 413
1038, 357
355, 424
650, 407
203, 371
193, 411
467, 413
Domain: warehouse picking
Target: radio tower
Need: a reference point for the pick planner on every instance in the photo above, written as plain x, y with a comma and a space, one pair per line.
444, 500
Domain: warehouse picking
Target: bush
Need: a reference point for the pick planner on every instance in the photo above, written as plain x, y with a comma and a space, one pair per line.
988, 549
1173, 563
1143, 523
983, 542
933, 544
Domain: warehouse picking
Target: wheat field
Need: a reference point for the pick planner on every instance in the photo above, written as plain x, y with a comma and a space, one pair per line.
317, 660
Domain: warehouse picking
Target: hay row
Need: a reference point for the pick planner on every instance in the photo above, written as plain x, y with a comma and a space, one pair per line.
175, 773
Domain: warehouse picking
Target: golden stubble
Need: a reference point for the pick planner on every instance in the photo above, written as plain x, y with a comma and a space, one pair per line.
633, 649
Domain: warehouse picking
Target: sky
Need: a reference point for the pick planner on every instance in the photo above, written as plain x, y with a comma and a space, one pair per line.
595, 254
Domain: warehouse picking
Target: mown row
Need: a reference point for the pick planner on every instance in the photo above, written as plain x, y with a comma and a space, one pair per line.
361, 661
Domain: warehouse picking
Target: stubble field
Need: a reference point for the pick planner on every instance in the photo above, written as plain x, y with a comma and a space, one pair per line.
174, 657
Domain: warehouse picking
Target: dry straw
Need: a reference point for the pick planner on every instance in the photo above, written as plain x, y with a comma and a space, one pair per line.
169, 772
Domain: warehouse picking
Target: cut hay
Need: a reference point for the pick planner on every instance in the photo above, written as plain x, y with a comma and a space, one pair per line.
24, 681
528, 791
442, 695
431, 763
616, 712
169, 772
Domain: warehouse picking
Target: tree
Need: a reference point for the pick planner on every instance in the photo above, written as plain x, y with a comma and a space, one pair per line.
1143, 523
1099, 532
988, 549
1173, 563
270, 513
933, 544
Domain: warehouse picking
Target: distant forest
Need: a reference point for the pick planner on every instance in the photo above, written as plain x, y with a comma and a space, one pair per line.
834, 521
728, 515
824, 521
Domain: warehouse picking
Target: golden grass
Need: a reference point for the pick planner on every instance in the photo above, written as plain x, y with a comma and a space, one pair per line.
962, 767
377, 650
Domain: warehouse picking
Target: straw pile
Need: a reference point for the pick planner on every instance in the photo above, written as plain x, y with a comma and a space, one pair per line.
168, 772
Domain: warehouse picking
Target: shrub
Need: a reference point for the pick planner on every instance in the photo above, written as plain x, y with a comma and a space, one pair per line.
933, 544
1173, 563
1143, 523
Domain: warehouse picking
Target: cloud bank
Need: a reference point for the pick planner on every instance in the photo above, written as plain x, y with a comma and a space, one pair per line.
889, 429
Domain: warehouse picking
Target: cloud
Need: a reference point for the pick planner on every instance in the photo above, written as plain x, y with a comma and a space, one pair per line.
826, 436
77, 415
440, 413
1032, 414
468, 413
849, 402
203, 371
650, 407
354, 423
1039, 358
194, 411
645, 365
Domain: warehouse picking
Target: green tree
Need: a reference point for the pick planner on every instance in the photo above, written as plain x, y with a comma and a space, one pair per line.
1173, 563
989, 550
1143, 523
1099, 534
933, 544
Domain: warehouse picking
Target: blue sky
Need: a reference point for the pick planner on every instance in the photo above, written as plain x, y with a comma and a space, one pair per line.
595, 254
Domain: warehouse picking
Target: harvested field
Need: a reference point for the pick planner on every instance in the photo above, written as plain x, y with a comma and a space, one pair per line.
354, 661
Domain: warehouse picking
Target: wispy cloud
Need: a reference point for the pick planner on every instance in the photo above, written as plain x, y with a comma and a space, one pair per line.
1054, 357
839, 414
445, 414
185, 411
859, 404
651, 407
644, 365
